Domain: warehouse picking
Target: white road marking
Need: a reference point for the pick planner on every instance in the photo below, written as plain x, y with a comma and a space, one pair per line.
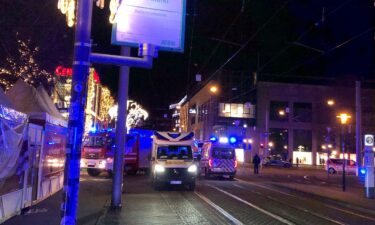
219, 209
300, 208
327, 205
254, 206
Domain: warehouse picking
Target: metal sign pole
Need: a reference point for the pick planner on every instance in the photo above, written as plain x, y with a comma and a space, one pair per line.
118, 164
369, 165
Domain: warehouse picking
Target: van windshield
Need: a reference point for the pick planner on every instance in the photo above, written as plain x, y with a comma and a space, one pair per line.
223, 153
174, 152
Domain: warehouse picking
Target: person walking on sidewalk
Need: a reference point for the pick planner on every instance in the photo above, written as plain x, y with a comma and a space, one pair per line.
256, 162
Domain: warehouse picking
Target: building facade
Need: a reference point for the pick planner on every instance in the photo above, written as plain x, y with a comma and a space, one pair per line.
293, 121
296, 121
99, 99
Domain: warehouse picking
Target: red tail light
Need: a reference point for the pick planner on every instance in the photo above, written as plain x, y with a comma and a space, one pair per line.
210, 162
235, 163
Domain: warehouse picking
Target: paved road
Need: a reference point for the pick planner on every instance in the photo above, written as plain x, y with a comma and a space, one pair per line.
248, 199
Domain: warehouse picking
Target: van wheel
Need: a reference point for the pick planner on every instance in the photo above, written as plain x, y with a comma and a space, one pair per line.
157, 185
191, 187
331, 171
110, 173
131, 172
93, 172
231, 177
206, 174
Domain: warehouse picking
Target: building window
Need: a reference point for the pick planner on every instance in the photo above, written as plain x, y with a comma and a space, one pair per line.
193, 113
202, 111
236, 110
302, 140
302, 112
279, 111
278, 142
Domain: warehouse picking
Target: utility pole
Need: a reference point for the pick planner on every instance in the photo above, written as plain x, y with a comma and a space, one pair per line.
343, 157
358, 124
81, 63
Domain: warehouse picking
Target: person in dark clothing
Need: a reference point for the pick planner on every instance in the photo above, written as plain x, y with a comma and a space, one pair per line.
256, 162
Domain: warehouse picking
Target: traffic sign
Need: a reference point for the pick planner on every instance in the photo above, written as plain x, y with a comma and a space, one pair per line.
157, 22
369, 140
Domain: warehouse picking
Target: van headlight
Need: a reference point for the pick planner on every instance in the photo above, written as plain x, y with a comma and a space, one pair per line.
192, 169
102, 164
159, 168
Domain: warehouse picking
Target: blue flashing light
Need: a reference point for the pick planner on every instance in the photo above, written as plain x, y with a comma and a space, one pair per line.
213, 139
362, 171
232, 140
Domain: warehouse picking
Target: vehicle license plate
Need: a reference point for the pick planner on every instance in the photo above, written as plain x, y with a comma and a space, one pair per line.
217, 169
91, 163
176, 182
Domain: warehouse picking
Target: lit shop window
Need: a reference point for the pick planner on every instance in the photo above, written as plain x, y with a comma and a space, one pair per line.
236, 110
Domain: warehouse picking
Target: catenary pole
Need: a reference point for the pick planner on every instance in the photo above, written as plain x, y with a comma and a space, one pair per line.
118, 164
82, 48
358, 124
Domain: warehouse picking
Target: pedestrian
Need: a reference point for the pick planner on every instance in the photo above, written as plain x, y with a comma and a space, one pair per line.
256, 162
297, 161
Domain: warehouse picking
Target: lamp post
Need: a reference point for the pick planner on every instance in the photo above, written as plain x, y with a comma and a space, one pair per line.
344, 119
213, 90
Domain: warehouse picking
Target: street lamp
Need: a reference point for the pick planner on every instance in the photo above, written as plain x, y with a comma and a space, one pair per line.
344, 119
330, 102
213, 89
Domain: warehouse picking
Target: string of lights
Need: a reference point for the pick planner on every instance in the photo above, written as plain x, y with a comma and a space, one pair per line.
24, 67
68, 7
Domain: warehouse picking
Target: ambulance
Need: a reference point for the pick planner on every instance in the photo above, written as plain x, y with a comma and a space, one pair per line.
218, 158
172, 161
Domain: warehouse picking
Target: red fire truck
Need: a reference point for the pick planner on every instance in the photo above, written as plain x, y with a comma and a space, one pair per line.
98, 151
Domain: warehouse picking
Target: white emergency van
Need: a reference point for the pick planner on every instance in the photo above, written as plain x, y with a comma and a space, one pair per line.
172, 161
219, 159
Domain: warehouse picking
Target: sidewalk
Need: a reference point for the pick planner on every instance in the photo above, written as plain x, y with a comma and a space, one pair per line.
321, 185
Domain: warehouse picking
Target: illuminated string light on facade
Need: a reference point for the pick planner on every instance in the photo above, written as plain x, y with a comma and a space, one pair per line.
24, 67
68, 8
136, 114
99, 99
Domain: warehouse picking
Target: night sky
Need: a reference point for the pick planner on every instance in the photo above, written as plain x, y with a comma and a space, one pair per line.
314, 41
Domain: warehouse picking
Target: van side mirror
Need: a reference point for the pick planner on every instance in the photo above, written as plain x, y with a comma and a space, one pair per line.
198, 158
152, 158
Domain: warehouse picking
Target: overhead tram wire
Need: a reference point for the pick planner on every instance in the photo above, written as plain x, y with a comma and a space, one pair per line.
329, 51
301, 36
219, 43
247, 42
191, 45
287, 47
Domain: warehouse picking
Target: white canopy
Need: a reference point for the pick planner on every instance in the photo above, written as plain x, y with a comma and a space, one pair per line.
34, 102
4, 100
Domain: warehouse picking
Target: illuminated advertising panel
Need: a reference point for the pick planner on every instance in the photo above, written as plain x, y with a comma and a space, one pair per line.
157, 22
